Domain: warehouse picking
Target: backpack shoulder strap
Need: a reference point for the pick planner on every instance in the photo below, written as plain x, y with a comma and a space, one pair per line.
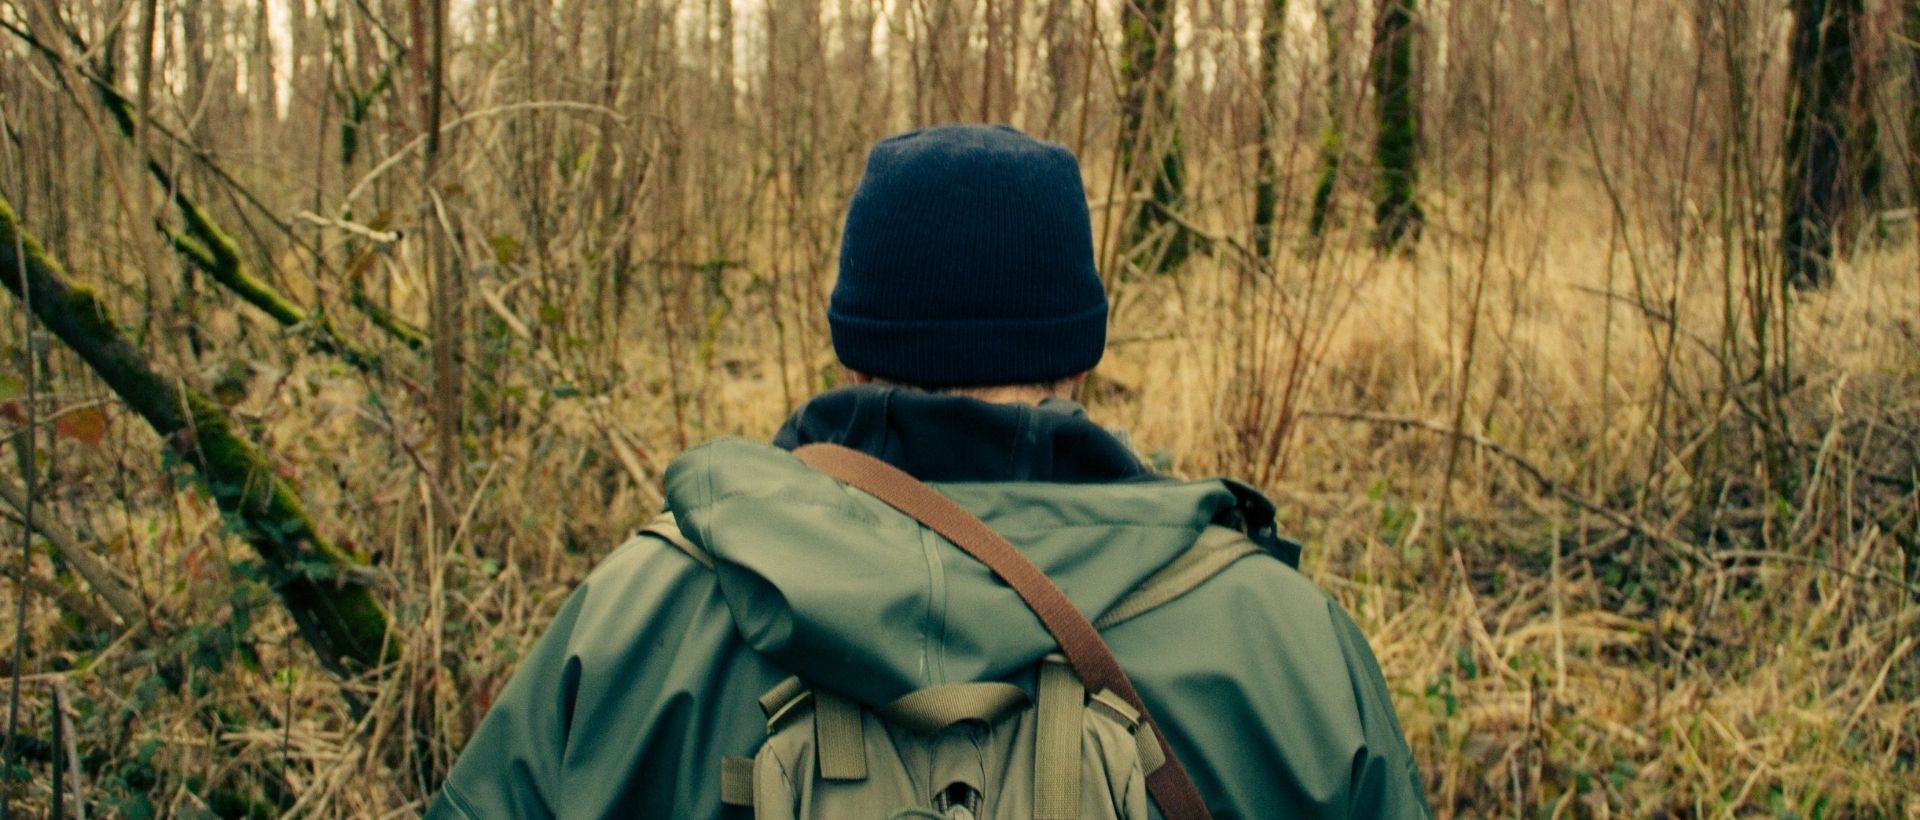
1170, 785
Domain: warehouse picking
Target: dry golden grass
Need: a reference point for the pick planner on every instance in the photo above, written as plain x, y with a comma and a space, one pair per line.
1555, 664
1622, 545
1546, 659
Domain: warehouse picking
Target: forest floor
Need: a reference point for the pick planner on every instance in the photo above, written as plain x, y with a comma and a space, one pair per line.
1620, 550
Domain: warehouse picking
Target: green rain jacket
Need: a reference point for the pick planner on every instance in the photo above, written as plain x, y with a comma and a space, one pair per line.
648, 675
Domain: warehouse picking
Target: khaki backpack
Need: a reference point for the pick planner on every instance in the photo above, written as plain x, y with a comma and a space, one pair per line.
964, 750
973, 750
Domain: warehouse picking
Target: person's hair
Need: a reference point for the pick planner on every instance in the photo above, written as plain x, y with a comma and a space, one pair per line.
1061, 387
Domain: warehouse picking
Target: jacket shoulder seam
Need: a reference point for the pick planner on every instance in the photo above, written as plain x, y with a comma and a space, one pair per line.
459, 803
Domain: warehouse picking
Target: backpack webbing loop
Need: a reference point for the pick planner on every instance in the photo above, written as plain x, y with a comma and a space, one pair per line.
736, 781
1056, 747
1152, 759
782, 697
938, 707
840, 741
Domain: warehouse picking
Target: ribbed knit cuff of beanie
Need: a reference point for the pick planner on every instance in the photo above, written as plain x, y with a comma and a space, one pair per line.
967, 259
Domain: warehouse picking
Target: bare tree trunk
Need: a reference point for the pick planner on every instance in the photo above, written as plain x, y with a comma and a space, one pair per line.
857, 67
940, 61
1150, 138
1396, 214
302, 54
260, 79
429, 62
990, 63
1272, 28
1911, 34
156, 287
193, 26
1065, 49
1821, 76
724, 10
997, 61
1332, 140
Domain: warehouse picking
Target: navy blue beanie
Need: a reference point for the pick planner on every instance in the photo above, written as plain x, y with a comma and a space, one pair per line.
968, 260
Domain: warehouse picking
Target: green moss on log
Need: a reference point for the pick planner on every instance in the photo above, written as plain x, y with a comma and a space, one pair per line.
216, 252
211, 250
325, 589
221, 260
385, 320
225, 253
188, 247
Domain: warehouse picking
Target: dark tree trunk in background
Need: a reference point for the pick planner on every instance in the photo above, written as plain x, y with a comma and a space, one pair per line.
1397, 217
1821, 144
1907, 44
260, 74
1060, 29
939, 62
996, 63
1866, 168
1272, 28
1911, 36
1331, 138
1149, 137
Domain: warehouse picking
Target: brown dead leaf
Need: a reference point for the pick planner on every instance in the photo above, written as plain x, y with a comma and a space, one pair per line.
87, 425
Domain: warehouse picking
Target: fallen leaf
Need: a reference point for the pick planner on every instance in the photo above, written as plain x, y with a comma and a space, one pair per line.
197, 564
87, 425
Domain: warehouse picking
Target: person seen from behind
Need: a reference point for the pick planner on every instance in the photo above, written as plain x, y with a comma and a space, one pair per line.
783, 644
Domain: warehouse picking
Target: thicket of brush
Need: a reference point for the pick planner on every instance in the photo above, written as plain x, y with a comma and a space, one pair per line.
1633, 526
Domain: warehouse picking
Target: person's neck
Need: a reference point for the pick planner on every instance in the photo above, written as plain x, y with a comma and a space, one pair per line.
1032, 394
1009, 394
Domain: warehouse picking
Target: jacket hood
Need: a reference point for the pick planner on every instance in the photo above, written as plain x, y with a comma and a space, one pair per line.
835, 586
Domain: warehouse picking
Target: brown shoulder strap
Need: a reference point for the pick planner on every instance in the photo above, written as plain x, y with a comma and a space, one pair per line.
1172, 788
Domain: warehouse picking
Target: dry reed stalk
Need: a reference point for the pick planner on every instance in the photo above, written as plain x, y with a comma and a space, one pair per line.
1557, 669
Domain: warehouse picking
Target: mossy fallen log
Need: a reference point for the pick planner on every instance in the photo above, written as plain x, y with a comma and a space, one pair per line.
398, 328
205, 244
325, 589
211, 249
